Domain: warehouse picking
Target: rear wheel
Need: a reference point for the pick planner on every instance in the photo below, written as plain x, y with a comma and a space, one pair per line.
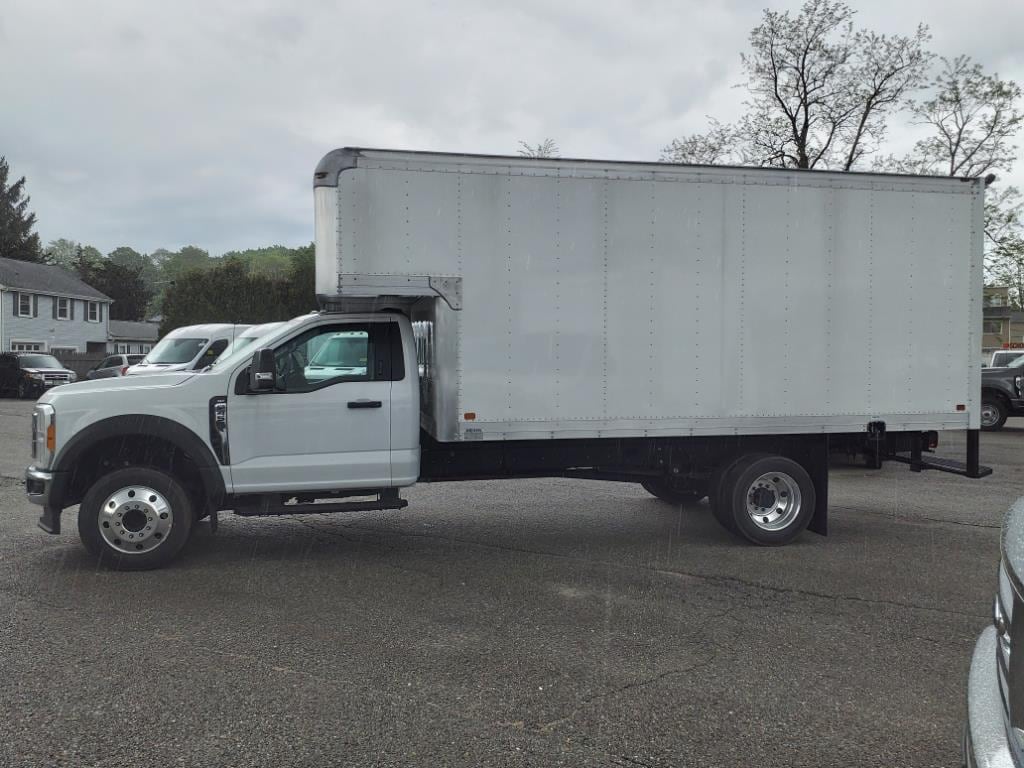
676, 496
993, 413
766, 499
135, 519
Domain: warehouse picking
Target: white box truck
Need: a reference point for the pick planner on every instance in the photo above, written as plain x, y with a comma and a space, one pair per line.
704, 331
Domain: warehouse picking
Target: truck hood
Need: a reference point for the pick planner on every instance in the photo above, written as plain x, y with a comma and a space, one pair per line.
118, 384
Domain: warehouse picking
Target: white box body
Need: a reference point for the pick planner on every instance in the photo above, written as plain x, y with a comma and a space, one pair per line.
603, 299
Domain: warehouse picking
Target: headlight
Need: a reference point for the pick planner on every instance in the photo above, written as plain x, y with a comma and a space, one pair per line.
35, 376
72, 376
44, 435
1019, 383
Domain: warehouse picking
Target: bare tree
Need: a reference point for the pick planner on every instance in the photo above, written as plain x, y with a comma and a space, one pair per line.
820, 91
974, 116
718, 146
546, 148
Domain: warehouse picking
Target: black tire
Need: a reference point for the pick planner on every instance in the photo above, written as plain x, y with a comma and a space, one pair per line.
160, 549
675, 496
717, 496
22, 390
997, 407
737, 487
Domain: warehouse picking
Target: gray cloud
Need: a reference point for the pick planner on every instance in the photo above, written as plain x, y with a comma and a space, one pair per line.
161, 124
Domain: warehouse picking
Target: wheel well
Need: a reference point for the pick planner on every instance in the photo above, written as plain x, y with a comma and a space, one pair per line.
135, 450
995, 394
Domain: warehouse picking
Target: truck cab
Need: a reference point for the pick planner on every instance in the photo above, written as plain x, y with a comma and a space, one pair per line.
276, 421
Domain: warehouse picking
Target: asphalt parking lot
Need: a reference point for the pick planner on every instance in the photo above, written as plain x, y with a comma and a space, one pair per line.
546, 622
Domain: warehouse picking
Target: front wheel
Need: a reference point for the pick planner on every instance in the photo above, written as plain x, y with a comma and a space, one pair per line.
766, 499
993, 414
665, 492
135, 519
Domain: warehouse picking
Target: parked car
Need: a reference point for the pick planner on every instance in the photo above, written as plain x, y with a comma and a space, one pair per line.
1002, 394
994, 735
112, 366
29, 374
190, 348
1003, 357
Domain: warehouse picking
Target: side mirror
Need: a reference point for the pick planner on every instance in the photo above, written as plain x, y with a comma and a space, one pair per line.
263, 371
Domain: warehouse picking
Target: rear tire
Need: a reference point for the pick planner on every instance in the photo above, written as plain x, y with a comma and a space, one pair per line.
993, 413
766, 499
135, 519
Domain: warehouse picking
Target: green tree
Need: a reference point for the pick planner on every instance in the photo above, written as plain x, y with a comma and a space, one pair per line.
124, 284
820, 92
61, 253
17, 240
229, 292
86, 260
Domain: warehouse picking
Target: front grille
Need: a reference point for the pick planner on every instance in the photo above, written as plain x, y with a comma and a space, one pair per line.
56, 378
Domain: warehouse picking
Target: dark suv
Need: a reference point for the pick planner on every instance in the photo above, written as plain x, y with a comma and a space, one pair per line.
1002, 394
28, 374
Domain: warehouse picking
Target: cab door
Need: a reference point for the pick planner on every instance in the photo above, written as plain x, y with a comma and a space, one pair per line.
326, 424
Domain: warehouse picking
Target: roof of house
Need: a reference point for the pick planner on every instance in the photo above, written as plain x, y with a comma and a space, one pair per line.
44, 278
131, 329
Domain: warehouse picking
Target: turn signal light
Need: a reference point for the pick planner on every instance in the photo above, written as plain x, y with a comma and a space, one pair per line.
51, 437
469, 416
961, 407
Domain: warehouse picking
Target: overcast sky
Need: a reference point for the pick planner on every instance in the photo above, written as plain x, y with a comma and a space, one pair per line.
162, 124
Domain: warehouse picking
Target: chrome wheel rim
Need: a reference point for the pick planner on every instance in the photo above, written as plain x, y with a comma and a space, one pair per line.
135, 520
773, 501
989, 415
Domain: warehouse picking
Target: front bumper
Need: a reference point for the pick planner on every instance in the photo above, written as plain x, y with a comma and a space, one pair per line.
40, 486
985, 740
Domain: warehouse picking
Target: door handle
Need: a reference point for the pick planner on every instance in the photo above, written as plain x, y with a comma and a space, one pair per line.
365, 403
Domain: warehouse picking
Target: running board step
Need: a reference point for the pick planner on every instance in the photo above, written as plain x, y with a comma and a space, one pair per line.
952, 466
278, 504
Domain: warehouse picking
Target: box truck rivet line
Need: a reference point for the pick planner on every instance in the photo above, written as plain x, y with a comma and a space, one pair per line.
703, 331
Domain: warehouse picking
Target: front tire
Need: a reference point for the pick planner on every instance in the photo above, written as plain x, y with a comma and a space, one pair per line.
135, 519
767, 499
993, 413
675, 496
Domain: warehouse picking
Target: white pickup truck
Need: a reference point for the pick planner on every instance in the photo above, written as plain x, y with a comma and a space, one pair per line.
703, 331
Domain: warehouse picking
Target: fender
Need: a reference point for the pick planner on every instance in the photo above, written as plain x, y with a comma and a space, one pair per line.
136, 424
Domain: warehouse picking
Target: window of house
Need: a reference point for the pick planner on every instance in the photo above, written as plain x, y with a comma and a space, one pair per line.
27, 346
24, 305
144, 348
992, 326
122, 349
63, 309
58, 351
92, 310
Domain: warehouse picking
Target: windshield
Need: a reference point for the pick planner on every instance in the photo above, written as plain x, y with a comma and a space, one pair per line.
174, 351
40, 361
1007, 358
1018, 363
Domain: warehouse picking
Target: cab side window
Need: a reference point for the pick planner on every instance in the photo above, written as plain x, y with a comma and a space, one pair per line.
326, 355
338, 353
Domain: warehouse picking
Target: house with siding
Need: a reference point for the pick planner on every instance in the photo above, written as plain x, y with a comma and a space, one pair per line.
129, 337
47, 309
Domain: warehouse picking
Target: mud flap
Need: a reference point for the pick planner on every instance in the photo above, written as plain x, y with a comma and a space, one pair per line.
49, 521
